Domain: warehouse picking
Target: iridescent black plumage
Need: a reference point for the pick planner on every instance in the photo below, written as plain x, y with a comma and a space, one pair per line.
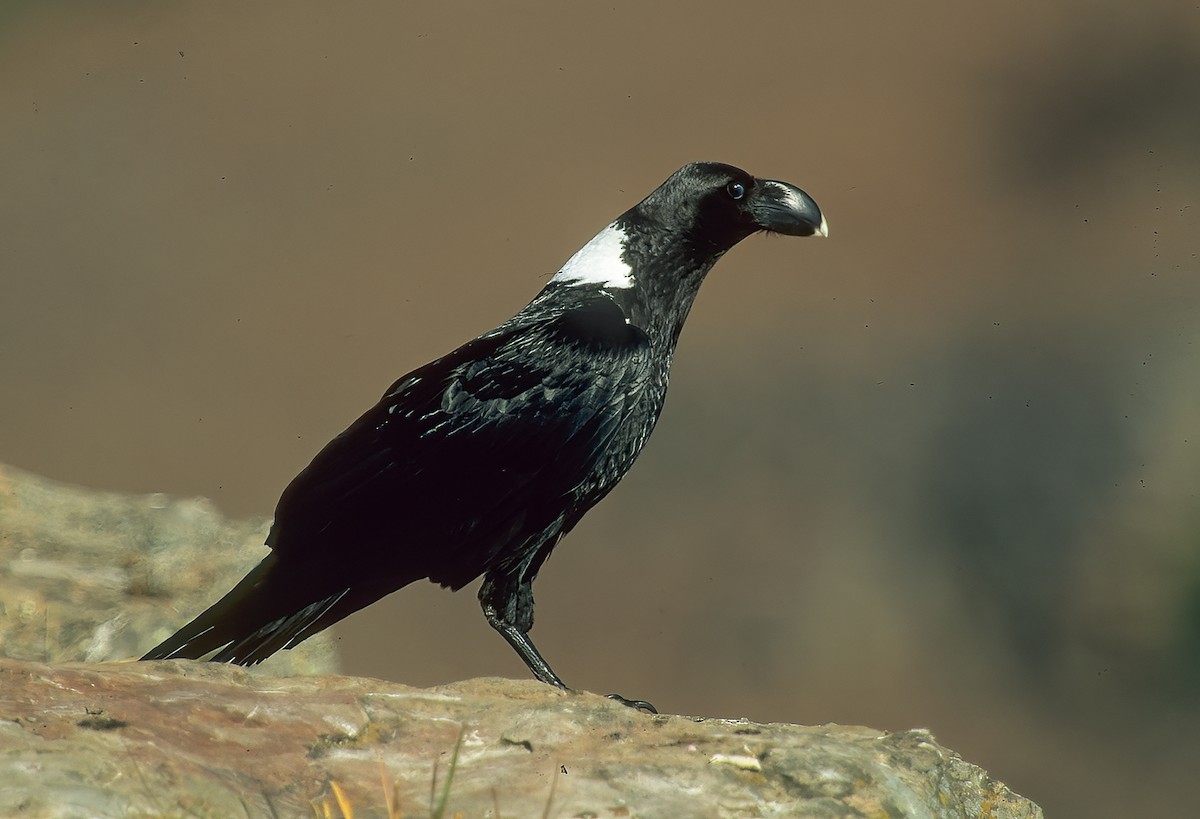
479, 462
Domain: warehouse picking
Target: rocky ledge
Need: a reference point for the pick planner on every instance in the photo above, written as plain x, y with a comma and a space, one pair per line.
99, 576
183, 738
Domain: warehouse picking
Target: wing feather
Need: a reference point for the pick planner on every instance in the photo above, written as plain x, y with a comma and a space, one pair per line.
467, 461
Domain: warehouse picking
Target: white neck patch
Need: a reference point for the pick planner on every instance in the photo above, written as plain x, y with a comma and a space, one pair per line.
599, 261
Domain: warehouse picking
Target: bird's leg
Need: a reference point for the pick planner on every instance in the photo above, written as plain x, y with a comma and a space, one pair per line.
528, 652
508, 608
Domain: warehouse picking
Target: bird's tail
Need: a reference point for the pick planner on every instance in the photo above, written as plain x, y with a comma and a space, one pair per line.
259, 616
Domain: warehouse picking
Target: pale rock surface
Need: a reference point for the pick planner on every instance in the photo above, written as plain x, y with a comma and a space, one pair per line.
87, 575
184, 738
96, 576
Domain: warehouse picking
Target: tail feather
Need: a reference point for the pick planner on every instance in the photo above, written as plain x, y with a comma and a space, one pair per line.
259, 616
285, 632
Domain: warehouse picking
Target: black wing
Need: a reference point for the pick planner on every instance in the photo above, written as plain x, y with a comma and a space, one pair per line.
474, 460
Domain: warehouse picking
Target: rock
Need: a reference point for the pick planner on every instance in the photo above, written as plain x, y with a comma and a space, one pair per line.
95, 576
198, 739
88, 575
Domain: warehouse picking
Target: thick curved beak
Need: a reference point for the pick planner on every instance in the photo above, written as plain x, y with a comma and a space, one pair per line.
782, 208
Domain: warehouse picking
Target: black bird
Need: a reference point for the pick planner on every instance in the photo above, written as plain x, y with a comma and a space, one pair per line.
479, 462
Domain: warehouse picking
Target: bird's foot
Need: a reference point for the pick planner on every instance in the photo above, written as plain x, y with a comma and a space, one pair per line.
640, 705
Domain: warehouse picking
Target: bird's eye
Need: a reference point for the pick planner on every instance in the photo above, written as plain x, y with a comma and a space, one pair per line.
736, 189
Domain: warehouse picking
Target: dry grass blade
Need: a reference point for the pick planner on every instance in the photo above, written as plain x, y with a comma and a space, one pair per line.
343, 803
391, 790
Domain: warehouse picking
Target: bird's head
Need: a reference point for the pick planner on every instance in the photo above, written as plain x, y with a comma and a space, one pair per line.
719, 205
658, 252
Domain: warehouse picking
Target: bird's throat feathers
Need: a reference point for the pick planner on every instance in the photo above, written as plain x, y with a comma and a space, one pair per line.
653, 275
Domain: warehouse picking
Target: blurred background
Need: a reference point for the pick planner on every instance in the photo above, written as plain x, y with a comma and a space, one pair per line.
941, 469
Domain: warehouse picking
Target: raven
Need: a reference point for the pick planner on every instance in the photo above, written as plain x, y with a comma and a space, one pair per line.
478, 463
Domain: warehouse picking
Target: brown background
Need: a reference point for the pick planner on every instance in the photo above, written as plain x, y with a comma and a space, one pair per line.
942, 469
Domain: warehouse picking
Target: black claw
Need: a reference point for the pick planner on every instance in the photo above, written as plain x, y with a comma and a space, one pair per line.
640, 705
